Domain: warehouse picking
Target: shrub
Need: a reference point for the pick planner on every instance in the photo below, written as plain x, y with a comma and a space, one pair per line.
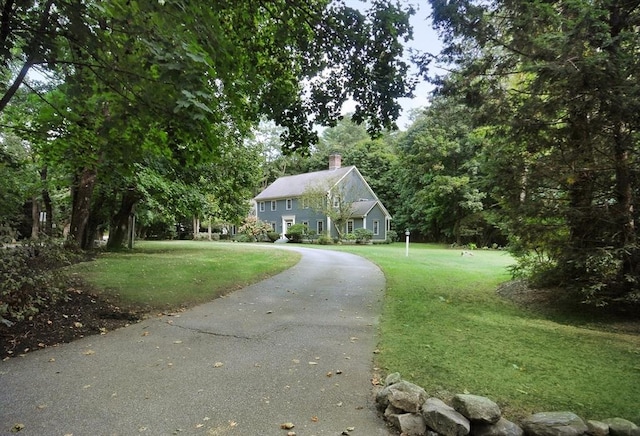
296, 232
31, 278
392, 236
242, 237
273, 236
363, 236
254, 229
324, 239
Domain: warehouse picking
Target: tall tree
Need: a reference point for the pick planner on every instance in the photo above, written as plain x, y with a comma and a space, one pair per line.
294, 62
441, 190
557, 81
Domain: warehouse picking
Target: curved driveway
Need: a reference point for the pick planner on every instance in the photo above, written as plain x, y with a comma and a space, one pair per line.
295, 348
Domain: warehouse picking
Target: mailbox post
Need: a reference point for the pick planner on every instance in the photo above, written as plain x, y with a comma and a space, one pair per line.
407, 233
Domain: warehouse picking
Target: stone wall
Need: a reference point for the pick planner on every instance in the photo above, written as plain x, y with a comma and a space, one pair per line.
411, 411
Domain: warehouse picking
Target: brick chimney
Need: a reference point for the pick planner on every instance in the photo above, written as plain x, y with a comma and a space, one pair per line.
335, 161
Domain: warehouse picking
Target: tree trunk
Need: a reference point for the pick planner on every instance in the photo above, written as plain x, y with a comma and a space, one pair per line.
81, 193
119, 225
48, 205
35, 218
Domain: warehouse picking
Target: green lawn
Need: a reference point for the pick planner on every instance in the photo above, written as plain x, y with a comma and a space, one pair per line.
445, 329
171, 274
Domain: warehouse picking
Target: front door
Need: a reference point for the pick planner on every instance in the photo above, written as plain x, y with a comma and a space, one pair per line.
287, 221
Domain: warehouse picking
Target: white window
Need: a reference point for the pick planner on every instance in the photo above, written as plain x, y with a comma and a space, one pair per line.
273, 226
262, 206
350, 226
376, 227
320, 227
336, 201
274, 205
289, 204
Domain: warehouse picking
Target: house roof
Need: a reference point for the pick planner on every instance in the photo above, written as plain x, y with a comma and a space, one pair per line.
295, 186
362, 208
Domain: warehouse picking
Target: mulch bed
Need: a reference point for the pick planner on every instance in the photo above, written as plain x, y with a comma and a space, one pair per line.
82, 314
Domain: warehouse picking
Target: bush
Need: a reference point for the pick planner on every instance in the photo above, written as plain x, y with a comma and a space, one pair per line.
324, 239
242, 237
392, 236
363, 236
31, 278
273, 236
296, 232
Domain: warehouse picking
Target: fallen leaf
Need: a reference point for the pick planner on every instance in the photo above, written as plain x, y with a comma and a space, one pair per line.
89, 352
329, 374
314, 419
177, 342
218, 365
145, 333
199, 425
291, 433
52, 359
339, 371
233, 424
296, 361
17, 427
313, 363
77, 325
287, 425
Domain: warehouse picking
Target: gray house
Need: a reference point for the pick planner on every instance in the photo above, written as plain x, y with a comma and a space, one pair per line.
306, 199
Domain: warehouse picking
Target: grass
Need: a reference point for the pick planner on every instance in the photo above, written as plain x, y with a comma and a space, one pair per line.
444, 328
173, 274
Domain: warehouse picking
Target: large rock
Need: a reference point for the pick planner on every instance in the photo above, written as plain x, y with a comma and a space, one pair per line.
444, 419
554, 424
598, 428
622, 427
409, 424
392, 379
501, 428
477, 408
403, 395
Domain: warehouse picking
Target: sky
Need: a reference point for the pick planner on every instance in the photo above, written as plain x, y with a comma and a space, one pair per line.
425, 39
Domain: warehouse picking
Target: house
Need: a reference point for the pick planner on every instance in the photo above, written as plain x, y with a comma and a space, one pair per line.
344, 202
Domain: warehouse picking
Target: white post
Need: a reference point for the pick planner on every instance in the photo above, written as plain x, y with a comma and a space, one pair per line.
407, 243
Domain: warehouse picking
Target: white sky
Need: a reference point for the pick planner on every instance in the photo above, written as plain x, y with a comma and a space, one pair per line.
425, 39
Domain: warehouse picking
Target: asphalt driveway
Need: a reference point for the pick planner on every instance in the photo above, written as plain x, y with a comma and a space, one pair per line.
296, 348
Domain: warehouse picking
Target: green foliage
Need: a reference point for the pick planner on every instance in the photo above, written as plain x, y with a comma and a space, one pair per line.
363, 236
273, 236
442, 188
552, 87
392, 236
31, 277
325, 239
297, 232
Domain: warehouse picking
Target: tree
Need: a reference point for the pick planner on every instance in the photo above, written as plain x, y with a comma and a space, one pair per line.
133, 83
556, 85
332, 201
442, 196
